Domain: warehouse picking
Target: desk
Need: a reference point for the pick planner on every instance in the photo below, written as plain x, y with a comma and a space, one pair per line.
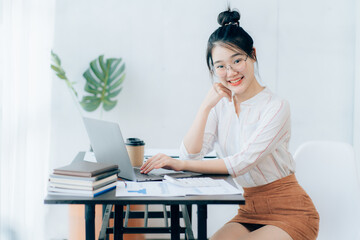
174, 202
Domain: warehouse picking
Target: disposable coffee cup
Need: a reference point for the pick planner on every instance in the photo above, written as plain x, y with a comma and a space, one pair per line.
135, 148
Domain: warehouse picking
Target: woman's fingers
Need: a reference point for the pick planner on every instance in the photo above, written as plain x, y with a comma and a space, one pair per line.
149, 164
223, 91
162, 161
155, 162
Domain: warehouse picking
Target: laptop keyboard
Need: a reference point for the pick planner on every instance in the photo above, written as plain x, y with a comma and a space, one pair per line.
146, 177
159, 175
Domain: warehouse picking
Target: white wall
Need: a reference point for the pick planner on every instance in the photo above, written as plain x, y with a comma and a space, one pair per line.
316, 67
305, 51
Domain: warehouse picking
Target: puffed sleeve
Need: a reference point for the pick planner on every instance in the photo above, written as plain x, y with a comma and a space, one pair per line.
274, 123
210, 136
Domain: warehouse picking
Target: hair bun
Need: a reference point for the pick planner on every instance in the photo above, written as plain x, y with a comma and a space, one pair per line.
228, 17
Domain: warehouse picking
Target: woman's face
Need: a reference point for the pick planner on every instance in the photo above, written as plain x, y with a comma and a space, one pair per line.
235, 70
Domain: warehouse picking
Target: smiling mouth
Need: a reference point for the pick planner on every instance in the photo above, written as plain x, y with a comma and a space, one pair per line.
236, 82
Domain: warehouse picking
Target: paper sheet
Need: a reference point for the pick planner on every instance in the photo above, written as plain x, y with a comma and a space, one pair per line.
145, 189
166, 189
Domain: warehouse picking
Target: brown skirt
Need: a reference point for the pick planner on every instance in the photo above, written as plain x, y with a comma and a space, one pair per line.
282, 203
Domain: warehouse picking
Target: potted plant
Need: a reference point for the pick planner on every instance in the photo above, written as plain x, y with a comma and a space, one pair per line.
104, 78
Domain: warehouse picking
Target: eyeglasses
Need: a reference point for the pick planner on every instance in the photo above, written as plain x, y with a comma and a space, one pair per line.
237, 65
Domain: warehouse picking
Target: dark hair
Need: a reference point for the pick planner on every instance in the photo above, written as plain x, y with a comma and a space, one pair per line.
229, 35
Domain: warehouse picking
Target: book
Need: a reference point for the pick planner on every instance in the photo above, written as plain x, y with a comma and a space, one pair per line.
84, 168
81, 184
87, 179
80, 193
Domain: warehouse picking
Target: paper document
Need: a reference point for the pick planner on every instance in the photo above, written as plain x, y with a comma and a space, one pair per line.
167, 189
223, 188
145, 189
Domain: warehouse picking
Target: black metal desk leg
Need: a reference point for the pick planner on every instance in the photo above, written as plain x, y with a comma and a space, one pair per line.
189, 209
90, 221
118, 222
175, 222
202, 220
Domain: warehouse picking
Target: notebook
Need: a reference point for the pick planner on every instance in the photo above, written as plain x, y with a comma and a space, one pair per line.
109, 147
84, 168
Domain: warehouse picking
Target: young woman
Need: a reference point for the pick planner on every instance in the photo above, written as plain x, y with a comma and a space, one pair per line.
251, 126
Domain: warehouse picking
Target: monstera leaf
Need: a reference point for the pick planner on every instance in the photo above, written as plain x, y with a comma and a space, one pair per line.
103, 83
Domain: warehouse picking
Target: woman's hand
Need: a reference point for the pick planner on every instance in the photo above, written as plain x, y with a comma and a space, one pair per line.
216, 93
161, 160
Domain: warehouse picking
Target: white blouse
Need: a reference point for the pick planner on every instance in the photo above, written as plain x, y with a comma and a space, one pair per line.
254, 146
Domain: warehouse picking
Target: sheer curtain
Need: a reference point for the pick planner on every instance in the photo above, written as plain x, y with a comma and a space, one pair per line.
26, 32
356, 136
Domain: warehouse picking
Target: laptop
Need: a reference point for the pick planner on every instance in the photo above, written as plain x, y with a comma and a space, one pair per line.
108, 145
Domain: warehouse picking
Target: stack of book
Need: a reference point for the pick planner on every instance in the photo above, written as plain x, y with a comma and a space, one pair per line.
83, 178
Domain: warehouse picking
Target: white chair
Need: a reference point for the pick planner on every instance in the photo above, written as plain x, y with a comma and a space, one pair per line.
327, 172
